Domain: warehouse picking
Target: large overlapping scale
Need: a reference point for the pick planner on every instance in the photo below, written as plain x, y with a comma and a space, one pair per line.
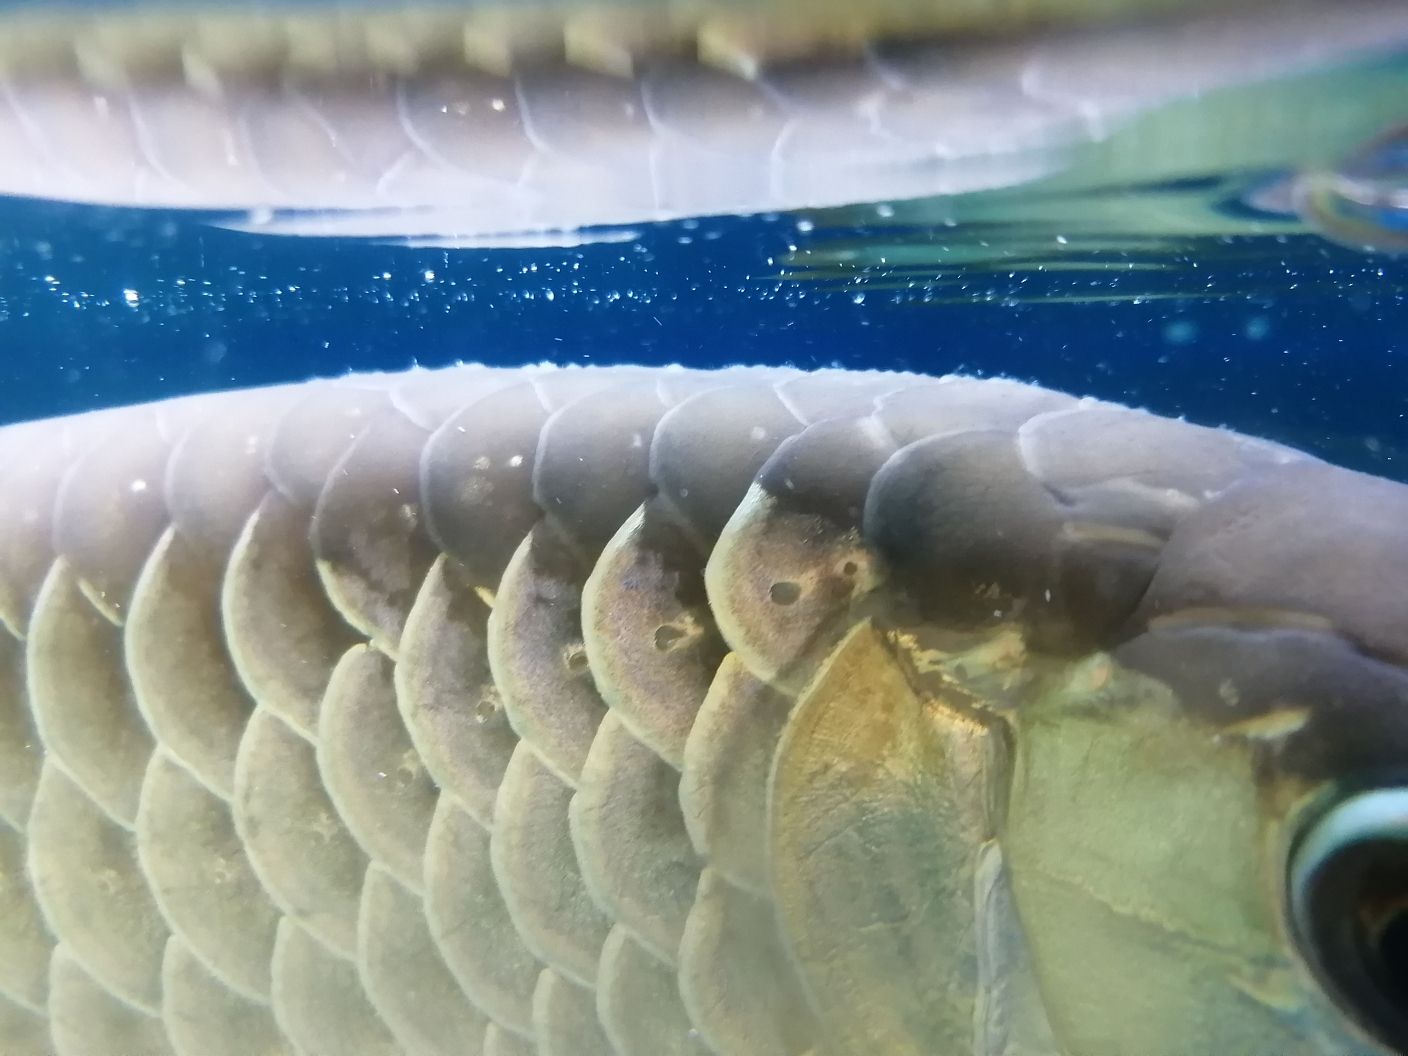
438, 713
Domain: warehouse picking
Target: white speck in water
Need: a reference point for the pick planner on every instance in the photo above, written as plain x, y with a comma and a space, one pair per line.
805, 226
138, 486
429, 275
515, 461
758, 433
884, 210
132, 297
858, 298
498, 105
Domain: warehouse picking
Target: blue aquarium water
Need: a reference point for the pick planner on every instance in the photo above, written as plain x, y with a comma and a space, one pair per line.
1284, 336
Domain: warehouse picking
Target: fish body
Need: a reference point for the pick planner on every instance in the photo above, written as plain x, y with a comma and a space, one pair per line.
641, 712
478, 124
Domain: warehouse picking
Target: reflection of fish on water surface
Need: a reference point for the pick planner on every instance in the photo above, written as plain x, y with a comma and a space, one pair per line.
494, 124
640, 712
1205, 197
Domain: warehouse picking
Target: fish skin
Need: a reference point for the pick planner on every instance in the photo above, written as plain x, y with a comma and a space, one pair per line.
632, 711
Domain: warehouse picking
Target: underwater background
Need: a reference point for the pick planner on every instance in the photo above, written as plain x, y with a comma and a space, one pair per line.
1287, 336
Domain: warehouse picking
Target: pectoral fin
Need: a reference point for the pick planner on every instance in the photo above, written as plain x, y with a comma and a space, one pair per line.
883, 862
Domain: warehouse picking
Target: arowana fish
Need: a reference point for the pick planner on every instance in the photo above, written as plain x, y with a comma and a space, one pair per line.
471, 124
577, 712
755, 713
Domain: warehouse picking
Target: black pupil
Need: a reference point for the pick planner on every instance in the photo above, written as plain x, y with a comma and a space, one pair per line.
1393, 952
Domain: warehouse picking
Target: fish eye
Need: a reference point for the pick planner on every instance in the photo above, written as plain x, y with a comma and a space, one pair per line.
1349, 909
